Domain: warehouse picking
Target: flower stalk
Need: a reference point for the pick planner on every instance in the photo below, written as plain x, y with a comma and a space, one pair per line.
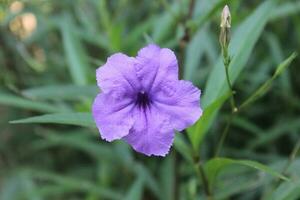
202, 177
224, 40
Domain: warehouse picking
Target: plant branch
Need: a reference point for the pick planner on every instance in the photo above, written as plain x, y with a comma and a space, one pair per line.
224, 135
202, 177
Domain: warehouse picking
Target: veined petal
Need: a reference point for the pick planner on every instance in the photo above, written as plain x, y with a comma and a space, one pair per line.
151, 133
180, 100
118, 72
113, 115
153, 65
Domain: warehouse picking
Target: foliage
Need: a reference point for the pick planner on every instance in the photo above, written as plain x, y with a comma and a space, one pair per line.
51, 148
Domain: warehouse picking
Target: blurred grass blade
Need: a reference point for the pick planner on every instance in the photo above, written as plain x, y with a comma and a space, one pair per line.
79, 119
142, 170
19, 186
64, 92
167, 178
15, 101
194, 53
76, 141
166, 23
211, 7
76, 56
266, 86
31, 62
286, 191
286, 9
283, 127
136, 190
197, 132
137, 34
77, 184
216, 165
276, 51
183, 147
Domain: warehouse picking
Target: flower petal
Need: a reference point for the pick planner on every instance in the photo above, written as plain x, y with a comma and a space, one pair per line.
153, 65
113, 115
118, 72
151, 134
180, 100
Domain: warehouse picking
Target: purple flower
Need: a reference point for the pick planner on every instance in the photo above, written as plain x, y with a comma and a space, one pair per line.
143, 102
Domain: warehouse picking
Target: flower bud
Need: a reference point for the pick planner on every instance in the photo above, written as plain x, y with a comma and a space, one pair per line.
225, 18
225, 29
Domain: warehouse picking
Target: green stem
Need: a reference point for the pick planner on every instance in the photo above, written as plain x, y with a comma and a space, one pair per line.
202, 178
234, 109
224, 135
289, 162
292, 157
226, 62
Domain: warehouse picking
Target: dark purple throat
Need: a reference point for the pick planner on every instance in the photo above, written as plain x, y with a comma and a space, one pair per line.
143, 100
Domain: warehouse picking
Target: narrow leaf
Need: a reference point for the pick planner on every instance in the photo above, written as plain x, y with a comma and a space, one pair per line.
286, 191
136, 190
76, 56
79, 119
65, 92
211, 7
77, 184
216, 165
265, 87
15, 101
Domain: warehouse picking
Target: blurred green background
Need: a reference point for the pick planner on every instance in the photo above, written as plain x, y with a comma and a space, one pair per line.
49, 51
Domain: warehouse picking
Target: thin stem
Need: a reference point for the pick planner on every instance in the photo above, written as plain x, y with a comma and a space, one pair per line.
224, 135
234, 109
226, 62
202, 177
290, 161
292, 157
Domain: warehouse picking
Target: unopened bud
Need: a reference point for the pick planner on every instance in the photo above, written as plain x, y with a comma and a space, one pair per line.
225, 18
225, 29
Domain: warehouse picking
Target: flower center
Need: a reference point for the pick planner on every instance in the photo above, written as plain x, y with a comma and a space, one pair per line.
143, 100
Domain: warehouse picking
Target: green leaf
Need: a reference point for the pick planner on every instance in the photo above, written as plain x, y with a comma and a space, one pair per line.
79, 119
183, 147
214, 166
194, 52
15, 101
75, 53
284, 65
19, 186
167, 178
266, 86
165, 24
136, 190
211, 7
77, 184
286, 191
76, 141
137, 34
285, 10
65, 92
197, 132
286, 126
